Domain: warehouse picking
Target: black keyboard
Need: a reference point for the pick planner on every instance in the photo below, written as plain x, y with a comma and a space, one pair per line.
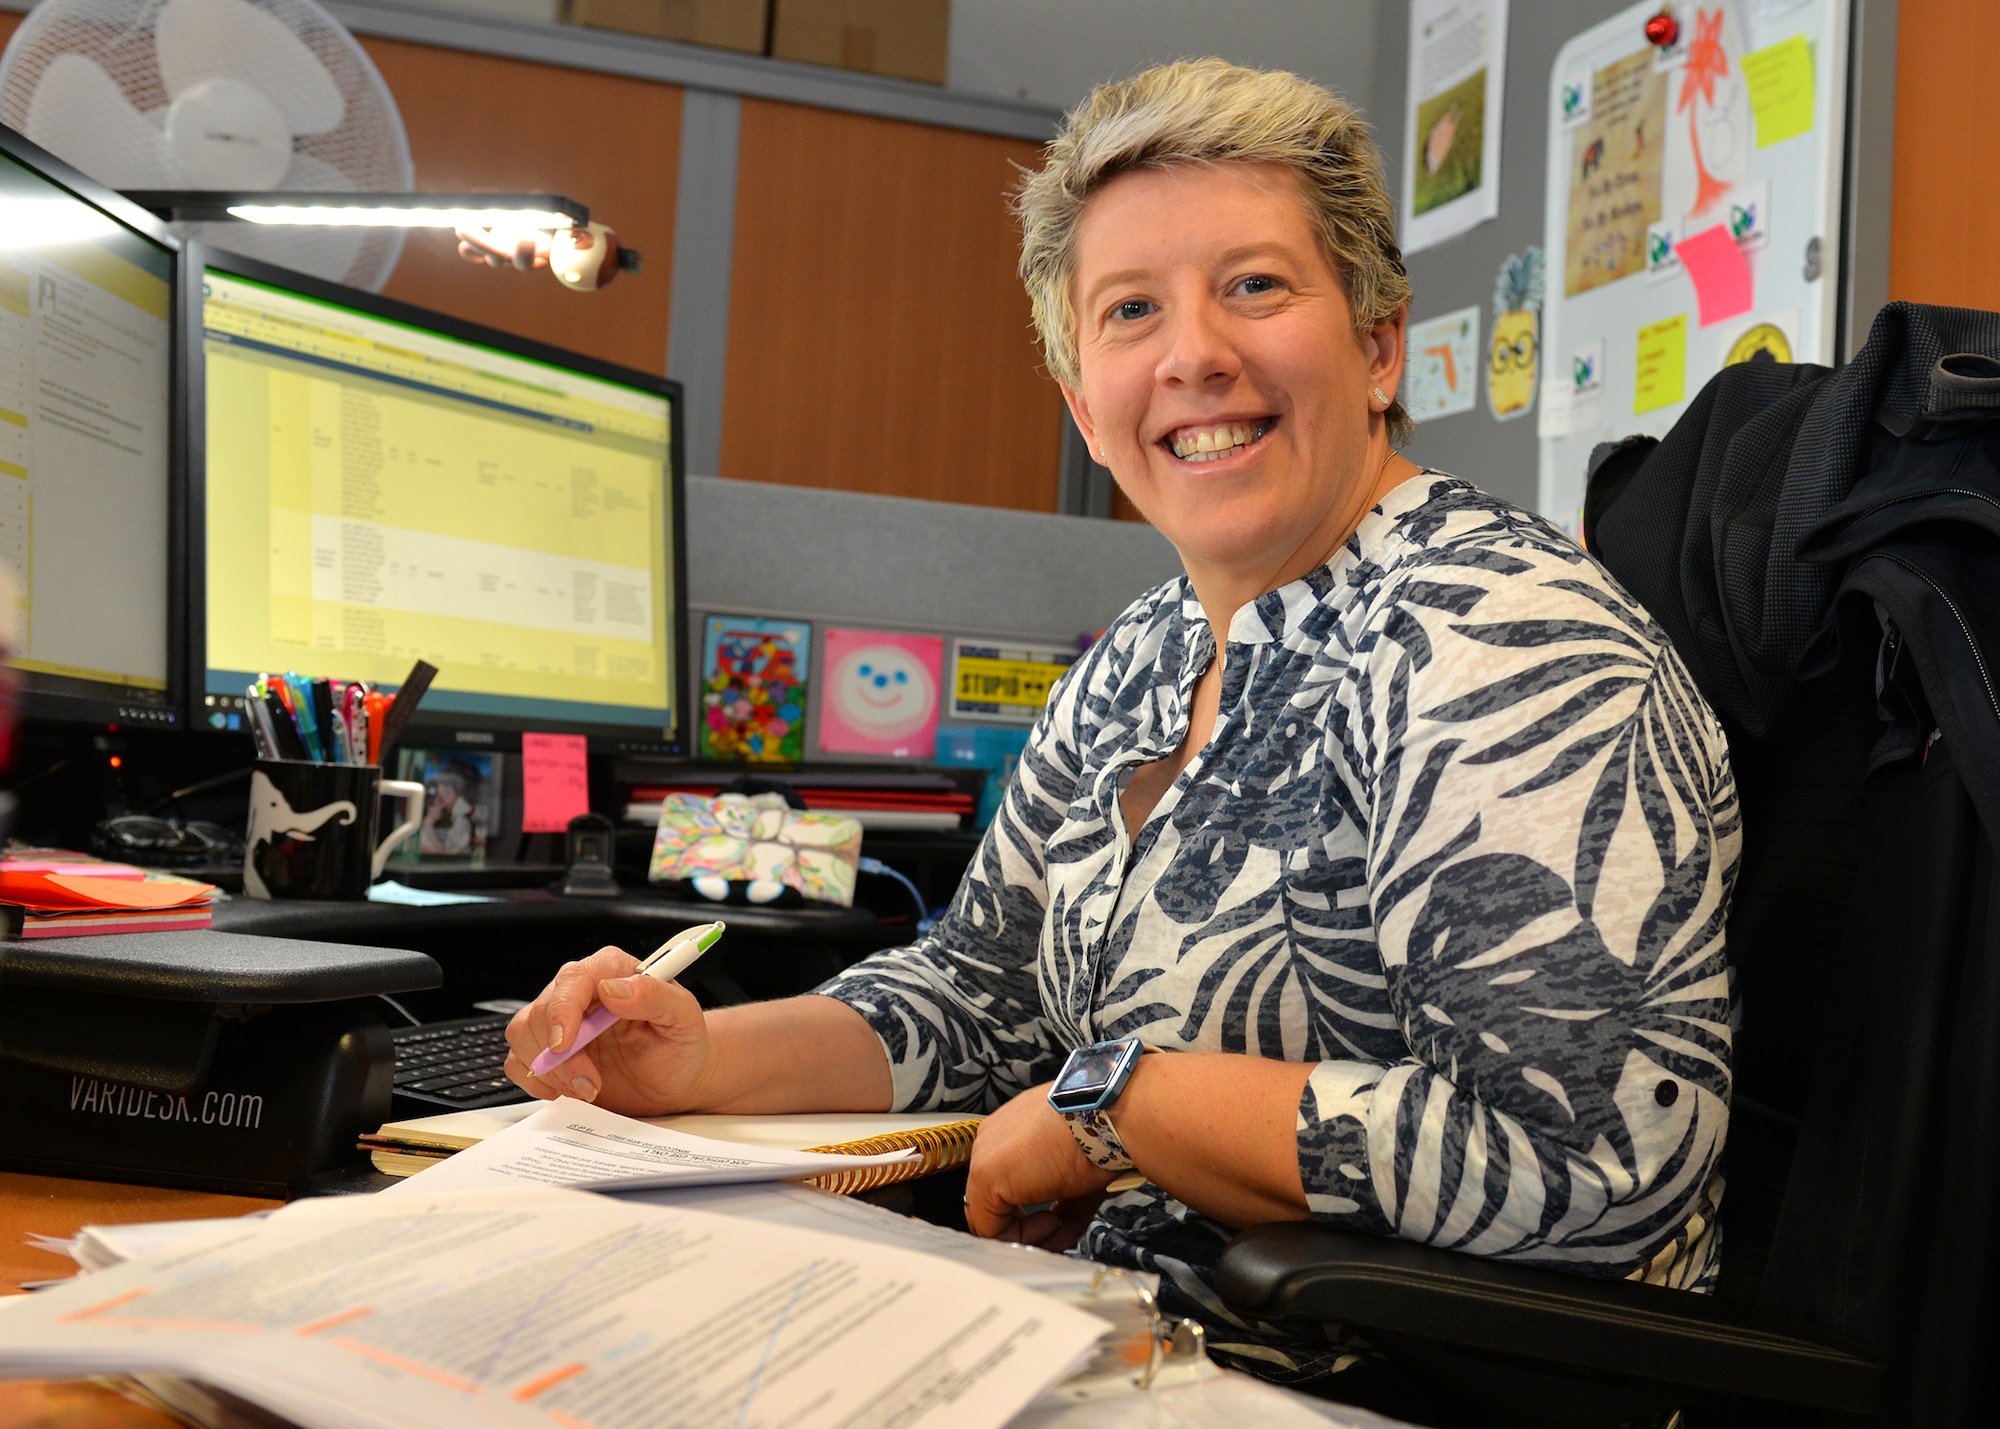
454, 1065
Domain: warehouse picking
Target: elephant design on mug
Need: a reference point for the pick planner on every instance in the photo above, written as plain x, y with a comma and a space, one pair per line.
272, 817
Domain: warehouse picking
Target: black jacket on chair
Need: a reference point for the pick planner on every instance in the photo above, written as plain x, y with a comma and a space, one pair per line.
1785, 489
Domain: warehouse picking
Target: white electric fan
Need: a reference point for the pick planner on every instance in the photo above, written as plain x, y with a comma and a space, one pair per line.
217, 94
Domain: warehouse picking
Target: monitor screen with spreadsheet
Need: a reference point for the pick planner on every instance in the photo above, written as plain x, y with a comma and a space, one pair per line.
88, 449
381, 484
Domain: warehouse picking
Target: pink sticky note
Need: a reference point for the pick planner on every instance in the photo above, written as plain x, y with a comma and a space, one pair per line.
1720, 272
555, 781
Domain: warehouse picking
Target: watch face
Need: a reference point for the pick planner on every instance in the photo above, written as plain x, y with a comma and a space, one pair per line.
1089, 1070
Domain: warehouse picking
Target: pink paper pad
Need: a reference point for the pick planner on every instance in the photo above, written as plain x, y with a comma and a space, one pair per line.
1721, 273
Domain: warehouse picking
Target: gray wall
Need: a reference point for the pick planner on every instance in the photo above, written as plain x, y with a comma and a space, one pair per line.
1053, 51
931, 566
1499, 456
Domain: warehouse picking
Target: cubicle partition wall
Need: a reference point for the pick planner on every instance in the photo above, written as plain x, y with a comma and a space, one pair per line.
847, 559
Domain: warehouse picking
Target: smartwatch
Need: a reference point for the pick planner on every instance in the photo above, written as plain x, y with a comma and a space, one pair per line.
1084, 1090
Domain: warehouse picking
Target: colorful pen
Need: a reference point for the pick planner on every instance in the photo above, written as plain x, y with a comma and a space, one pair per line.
334, 722
354, 702
669, 961
266, 738
278, 700
320, 691
374, 705
301, 704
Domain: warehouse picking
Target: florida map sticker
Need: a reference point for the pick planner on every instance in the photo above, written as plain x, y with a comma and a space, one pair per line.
1441, 375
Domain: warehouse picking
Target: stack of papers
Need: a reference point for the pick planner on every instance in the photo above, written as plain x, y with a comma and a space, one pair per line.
537, 1306
1101, 1392
64, 895
713, 1298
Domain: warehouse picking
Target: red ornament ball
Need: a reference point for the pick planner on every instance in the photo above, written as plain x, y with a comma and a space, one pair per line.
1663, 29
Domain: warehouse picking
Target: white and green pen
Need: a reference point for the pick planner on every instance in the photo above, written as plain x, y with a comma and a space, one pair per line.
669, 961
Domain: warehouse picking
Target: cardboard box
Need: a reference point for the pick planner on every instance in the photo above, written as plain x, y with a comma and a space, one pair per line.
904, 38
726, 24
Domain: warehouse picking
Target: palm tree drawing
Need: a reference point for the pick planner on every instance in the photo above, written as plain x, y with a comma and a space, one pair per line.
1707, 62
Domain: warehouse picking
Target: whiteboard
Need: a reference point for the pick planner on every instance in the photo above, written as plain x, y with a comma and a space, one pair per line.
1596, 372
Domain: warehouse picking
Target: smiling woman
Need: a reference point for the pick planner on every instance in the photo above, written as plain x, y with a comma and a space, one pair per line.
1214, 333
1372, 872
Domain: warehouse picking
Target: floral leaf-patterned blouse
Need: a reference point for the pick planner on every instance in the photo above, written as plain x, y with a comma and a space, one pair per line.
1463, 838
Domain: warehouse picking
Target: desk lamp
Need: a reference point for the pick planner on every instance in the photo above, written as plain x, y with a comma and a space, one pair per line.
523, 231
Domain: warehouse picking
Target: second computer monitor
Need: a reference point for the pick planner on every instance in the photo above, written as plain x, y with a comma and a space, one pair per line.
87, 446
380, 484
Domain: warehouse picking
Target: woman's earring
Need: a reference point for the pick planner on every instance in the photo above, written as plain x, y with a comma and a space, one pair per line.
1100, 457
1380, 396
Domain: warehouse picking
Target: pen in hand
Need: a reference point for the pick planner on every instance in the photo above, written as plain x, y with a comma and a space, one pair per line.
669, 961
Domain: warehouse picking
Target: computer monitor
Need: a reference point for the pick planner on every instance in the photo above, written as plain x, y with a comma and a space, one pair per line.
375, 483
89, 446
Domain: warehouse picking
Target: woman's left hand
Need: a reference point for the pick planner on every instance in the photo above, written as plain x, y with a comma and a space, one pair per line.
1024, 1156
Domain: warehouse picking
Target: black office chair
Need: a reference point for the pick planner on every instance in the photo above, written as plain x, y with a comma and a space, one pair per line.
1863, 1163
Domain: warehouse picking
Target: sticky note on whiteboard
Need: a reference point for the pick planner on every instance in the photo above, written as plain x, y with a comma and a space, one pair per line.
1659, 372
555, 781
1720, 273
1780, 77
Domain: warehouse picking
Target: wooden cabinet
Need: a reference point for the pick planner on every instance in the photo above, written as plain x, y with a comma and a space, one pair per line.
1946, 209
878, 338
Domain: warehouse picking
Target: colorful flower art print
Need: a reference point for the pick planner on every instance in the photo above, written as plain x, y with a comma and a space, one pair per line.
753, 689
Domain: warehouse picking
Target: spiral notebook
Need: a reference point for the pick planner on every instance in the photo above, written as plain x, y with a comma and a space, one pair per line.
403, 1148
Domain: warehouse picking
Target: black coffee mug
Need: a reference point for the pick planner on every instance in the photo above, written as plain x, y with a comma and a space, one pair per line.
312, 828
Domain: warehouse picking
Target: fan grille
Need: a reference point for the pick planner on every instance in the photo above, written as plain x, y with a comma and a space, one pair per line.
365, 152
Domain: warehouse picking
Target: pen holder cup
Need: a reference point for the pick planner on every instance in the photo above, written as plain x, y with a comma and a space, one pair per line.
313, 826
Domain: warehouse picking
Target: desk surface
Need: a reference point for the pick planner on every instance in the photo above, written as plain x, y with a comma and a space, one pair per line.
58, 1207
54, 1206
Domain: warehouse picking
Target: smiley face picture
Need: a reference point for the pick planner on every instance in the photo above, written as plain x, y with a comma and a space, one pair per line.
885, 690
882, 693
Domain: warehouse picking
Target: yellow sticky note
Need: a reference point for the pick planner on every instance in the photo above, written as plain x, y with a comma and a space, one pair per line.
1659, 376
1780, 77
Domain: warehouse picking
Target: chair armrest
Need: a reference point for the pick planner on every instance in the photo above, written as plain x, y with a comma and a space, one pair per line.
1301, 1271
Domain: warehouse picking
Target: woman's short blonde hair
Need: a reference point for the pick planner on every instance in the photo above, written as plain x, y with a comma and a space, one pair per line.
1211, 112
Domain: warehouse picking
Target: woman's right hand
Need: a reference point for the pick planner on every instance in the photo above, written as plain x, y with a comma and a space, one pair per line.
652, 1061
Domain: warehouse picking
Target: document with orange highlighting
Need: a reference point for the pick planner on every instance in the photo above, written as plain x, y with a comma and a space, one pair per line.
536, 1306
